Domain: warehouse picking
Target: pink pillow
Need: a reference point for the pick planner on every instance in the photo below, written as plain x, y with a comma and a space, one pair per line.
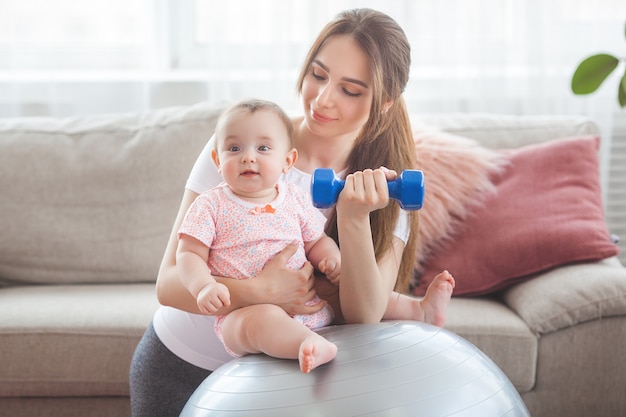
547, 211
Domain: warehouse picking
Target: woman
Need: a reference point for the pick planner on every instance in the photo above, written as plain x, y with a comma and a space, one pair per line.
355, 122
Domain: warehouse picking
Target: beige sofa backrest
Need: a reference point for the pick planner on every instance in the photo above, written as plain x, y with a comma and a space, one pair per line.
92, 199
507, 131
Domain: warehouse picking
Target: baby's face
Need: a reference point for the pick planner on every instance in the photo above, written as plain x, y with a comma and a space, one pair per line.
253, 150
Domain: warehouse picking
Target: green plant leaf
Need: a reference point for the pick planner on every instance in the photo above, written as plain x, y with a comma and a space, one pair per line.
591, 72
621, 91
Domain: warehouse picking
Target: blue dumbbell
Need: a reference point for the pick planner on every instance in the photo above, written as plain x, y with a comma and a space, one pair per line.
408, 188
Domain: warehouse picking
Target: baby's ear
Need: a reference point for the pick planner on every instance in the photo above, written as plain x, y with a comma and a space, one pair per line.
216, 159
290, 159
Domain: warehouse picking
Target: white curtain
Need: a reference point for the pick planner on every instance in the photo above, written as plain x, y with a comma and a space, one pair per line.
67, 58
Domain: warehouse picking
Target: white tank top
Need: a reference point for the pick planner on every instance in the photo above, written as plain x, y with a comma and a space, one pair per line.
191, 336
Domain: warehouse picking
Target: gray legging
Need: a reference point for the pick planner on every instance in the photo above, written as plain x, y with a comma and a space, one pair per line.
160, 382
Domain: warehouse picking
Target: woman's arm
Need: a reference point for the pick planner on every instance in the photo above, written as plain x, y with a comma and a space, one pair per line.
365, 284
169, 287
276, 284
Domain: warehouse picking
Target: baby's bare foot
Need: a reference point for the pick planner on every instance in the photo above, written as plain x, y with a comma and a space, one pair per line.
315, 351
435, 302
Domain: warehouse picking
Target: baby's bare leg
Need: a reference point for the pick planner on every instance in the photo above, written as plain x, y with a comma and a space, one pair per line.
266, 328
430, 309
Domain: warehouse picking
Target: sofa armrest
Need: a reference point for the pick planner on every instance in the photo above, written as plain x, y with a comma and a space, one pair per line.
569, 295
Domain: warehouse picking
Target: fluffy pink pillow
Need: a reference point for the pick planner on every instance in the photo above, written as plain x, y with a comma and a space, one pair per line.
547, 212
449, 197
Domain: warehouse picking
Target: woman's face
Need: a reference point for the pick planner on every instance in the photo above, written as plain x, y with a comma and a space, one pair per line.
337, 89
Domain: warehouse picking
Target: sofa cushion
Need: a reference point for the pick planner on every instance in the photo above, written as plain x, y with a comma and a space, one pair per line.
563, 298
71, 340
92, 199
547, 212
500, 334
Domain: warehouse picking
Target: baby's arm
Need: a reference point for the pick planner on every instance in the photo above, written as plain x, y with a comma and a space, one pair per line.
191, 259
324, 254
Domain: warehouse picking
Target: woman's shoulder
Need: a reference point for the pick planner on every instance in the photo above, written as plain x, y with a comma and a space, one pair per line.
298, 178
291, 189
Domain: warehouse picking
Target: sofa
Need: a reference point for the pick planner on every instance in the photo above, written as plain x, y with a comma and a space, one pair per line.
87, 205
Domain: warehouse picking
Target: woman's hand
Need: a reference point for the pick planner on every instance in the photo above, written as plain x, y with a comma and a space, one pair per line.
365, 191
287, 288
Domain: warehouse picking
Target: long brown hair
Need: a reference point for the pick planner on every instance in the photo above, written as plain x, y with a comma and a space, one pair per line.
386, 138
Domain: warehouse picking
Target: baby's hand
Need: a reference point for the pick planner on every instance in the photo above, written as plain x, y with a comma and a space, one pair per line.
331, 267
212, 297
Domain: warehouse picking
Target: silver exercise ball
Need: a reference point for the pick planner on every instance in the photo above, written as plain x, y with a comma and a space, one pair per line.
395, 368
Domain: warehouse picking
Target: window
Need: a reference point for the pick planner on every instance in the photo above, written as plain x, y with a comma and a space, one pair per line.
40, 35
468, 55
